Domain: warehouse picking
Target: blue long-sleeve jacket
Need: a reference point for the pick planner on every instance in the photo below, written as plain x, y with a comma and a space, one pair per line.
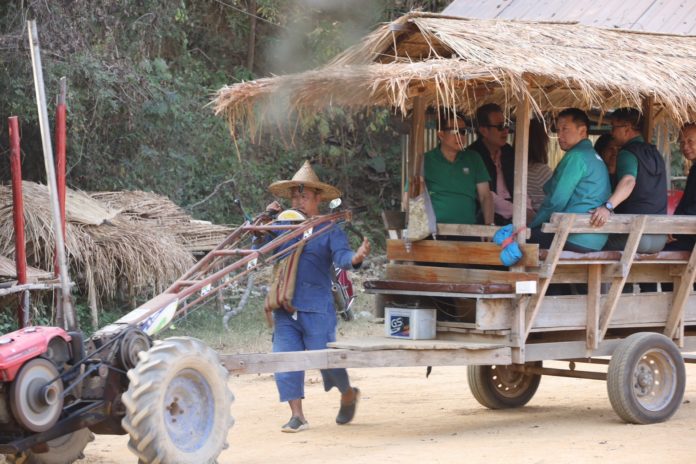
313, 283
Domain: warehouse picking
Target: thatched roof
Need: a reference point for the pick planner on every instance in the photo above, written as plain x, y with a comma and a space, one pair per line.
464, 63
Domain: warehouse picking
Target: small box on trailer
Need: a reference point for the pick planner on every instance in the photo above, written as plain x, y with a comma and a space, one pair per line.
413, 324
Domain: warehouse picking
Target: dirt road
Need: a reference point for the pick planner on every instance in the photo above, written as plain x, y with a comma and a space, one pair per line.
405, 418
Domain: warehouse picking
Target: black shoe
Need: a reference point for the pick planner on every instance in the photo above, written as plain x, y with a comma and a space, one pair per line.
294, 425
347, 411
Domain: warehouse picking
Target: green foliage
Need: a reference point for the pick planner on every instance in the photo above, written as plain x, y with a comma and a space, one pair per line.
141, 73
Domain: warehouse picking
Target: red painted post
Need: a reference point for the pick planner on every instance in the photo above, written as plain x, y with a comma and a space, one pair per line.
18, 214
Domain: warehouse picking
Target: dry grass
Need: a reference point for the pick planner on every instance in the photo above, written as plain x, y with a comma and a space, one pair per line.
463, 63
127, 242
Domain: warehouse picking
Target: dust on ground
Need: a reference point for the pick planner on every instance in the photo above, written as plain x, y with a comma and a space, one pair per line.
405, 418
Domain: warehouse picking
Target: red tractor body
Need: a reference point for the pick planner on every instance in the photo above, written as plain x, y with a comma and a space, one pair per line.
17, 347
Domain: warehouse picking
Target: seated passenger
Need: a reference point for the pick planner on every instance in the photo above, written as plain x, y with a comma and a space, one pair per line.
687, 204
456, 177
608, 149
498, 156
538, 170
642, 181
579, 183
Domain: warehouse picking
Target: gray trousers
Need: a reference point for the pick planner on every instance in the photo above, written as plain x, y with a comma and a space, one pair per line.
649, 243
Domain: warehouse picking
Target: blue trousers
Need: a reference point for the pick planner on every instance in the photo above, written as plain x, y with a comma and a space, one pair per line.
311, 331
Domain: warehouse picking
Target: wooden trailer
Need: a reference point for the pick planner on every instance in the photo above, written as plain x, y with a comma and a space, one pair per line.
503, 325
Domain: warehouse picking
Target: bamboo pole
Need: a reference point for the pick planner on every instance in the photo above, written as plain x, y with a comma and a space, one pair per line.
66, 304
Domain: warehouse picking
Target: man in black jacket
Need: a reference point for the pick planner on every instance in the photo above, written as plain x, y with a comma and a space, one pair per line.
641, 181
498, 156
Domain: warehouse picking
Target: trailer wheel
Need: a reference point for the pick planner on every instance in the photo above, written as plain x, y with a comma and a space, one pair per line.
502, 387
178, 403
62, 450
646, 378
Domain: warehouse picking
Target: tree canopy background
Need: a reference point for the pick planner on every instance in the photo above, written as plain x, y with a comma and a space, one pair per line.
141, 72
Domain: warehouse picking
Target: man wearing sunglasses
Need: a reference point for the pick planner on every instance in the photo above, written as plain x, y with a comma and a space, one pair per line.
498, 156
456, 178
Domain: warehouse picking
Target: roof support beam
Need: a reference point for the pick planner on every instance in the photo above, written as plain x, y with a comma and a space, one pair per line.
648, 118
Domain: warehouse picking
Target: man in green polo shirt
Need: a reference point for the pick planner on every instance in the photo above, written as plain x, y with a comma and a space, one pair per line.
580, 183
642, 181
455, 177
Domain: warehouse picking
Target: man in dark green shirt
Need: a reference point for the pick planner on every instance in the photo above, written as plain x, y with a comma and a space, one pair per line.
579, 183
641, 180
455, 177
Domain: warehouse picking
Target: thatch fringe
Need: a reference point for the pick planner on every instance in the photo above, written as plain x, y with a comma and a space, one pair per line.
463, 63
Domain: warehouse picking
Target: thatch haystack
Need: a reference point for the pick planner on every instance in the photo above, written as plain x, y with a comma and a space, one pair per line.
160, 211
115, 241
463, 63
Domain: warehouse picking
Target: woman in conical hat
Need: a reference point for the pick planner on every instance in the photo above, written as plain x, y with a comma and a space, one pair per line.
304, 178
309, 323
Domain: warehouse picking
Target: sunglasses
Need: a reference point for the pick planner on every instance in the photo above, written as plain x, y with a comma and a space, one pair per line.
500, 127
460, 131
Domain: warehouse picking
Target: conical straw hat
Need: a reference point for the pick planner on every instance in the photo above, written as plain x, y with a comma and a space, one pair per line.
308, 178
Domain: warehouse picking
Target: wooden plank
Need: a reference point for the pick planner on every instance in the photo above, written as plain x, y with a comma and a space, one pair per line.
562, 313
554, 253
259, 363
454, 274
519, 212
618, 282
648, 118
622, 223
467, 230
594, 290
385, 343
639, 272
445, 251
683, 290
446, 287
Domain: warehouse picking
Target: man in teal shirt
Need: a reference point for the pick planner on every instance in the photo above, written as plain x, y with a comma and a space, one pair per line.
642, 181
455, 177
580, 183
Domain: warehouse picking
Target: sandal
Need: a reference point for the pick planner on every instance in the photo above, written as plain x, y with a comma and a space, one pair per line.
347, 411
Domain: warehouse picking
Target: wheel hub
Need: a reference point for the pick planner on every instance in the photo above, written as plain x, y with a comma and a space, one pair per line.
653, 385
190, 409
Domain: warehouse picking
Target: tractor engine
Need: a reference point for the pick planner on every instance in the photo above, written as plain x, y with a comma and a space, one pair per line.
31, 390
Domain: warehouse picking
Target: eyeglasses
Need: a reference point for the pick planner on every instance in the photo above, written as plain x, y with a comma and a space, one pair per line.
460, 131
500, 127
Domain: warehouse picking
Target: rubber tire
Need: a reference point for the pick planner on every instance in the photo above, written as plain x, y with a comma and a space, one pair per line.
164, 366
483, 387
622, 369
63, 450
340, 303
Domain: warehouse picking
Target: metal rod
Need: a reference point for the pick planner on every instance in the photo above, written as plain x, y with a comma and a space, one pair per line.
563, 373
66, 305
18, 216
61, 138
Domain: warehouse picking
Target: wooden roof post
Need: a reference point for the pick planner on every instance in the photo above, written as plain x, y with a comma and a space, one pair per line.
648, 118
519, 212
417, 143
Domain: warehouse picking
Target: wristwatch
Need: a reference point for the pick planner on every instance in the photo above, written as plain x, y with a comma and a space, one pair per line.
609, 207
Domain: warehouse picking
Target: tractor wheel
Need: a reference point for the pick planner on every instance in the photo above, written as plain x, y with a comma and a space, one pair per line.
501, 387
646, 378
62, 450
178, 404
